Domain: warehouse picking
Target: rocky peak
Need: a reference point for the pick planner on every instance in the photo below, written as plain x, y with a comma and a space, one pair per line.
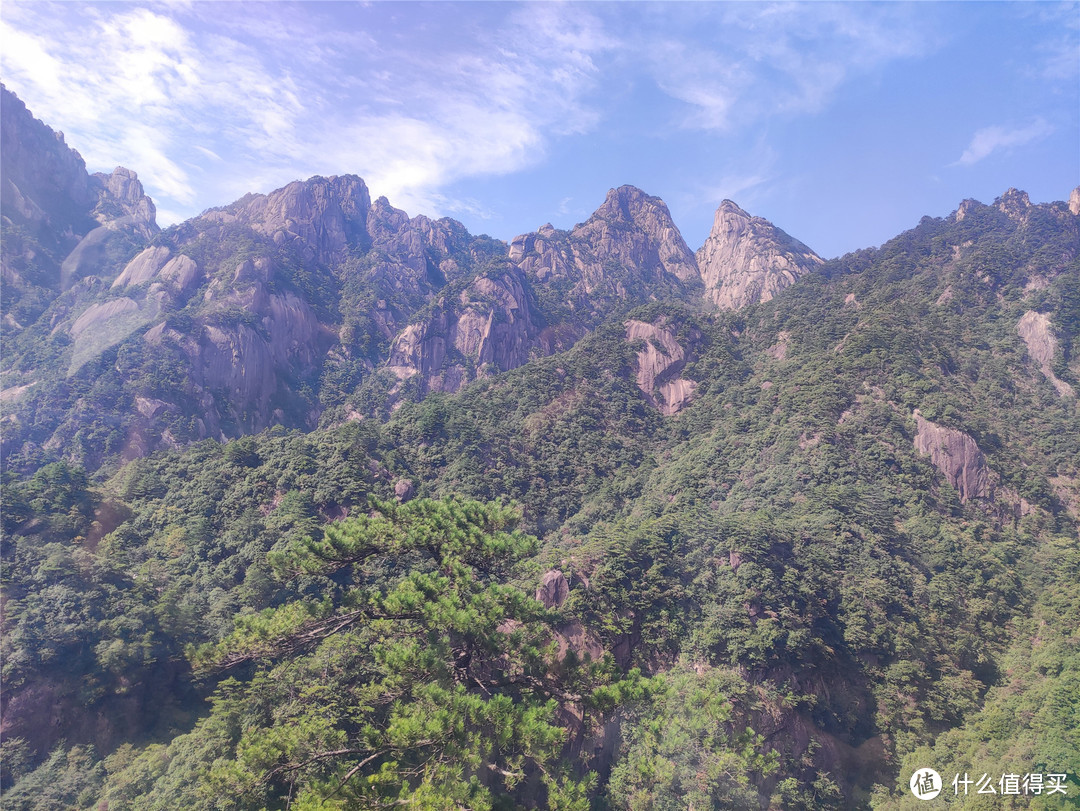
965, 208
1074, 201
44, 181
46, 185
747, 259
630, 206
624, 202
628, 250
1014, 204
68, 223
121, 199
384, 220
325, 215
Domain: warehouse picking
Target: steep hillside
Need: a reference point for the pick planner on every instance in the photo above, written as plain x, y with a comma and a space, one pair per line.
295, 308
60, 224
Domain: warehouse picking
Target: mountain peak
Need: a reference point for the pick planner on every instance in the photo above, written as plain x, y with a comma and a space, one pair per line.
1014, 204
626, 203
731, 207
650, 219
324, 214
747, 259
122, 198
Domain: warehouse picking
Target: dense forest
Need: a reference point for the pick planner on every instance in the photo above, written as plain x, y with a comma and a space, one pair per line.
849, 554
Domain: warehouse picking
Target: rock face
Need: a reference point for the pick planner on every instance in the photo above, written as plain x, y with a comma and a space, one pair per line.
65, 222
143, 267
321, 216
1035, 330
1074, 201
45, 184
491, 326
121, 200
553, 589
411, 260
628, 250
956, 455
261, 312
1014, 204
747, 259
659, 364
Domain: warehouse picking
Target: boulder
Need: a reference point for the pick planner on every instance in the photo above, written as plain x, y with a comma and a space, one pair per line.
553, 589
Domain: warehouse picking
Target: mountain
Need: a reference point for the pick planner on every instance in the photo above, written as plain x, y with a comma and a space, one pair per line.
307, 501
747, 260
59, 222
291, 308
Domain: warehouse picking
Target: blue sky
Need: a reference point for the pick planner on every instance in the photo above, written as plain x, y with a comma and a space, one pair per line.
842, 123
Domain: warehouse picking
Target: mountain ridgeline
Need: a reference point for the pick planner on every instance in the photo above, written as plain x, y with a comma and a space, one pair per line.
277, 308
312, 504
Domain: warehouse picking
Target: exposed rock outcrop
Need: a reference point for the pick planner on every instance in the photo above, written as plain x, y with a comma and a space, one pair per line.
1035, 330
965, 208
659, 364
628, 250
106, 324
404, 489
65, 217
956, 455
122, 201
747, 259
553, 589
1015, 205
143, 267
411, 260
492, 325
321, 216
1074, 201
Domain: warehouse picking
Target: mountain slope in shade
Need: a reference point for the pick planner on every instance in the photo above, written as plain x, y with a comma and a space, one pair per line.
60, 223
747, 260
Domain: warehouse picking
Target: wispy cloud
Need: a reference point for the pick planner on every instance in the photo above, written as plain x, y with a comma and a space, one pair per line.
993, 139
266, 98
751, 61
208, 101
1057, 57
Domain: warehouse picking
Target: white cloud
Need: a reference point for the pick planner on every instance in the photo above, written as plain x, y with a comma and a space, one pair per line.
250, 101
748, 61
992, 139
146, 147
1057, 56
745, 180
732, 187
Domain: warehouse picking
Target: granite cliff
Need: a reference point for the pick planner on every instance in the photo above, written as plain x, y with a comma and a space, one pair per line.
747, 259
628, 251
60, 223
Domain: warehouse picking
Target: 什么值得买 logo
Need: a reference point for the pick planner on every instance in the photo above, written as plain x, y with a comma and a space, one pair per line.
925, 784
